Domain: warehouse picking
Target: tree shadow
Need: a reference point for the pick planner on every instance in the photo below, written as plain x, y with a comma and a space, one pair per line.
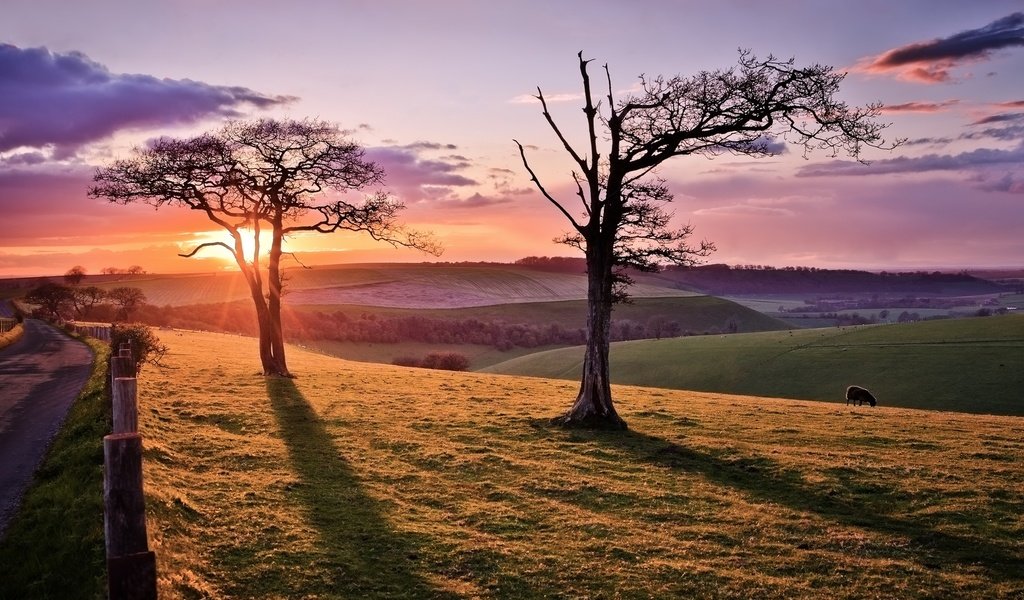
851, 502
365, 556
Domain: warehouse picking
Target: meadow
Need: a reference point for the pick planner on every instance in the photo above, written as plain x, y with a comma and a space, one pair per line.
358, 480
967, 365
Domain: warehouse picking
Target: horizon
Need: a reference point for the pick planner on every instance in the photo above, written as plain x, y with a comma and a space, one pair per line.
439, 114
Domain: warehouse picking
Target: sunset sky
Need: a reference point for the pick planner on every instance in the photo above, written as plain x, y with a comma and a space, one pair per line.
436, 91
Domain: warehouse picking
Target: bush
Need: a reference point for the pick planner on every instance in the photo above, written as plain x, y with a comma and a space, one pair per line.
445, 361
145, 346
407, 361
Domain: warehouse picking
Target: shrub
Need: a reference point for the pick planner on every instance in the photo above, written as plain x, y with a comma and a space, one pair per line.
145, 345
447, 361
407, 361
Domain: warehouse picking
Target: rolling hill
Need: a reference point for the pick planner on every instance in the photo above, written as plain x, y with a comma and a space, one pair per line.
968, 365
372, 481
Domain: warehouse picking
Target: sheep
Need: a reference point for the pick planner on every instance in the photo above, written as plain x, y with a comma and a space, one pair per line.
859, 396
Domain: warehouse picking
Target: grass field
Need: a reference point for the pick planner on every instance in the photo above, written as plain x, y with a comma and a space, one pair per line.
369, 481
968, 365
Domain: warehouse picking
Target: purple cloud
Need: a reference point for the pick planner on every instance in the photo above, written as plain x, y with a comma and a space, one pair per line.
68, 100
929, 162
999, 118
931, 61
926, 107
415, 178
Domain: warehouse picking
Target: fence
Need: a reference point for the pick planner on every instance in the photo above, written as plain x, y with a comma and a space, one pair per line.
131, 565
7, 325
100, 331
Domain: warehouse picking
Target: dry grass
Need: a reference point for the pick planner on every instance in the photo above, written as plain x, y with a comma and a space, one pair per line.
360, 480
14, 334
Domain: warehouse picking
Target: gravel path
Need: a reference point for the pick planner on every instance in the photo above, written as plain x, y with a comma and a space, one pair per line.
40, 376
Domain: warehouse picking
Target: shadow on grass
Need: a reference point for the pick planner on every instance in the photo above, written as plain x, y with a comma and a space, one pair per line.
363, 556
852, 502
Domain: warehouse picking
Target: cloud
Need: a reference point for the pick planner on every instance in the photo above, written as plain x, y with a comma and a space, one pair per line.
1010, 183
999, 118
925, 107
930, 162
532, 98
477, 200
931, 61
65, 101
744, 210
1011, 104
413, 177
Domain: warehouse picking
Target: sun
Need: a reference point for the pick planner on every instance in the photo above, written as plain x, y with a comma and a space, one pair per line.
248, 245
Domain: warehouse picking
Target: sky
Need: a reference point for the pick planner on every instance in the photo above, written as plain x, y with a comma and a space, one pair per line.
437, 91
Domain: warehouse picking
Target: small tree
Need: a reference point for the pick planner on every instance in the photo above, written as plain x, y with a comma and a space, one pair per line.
266, 175
623, 223
54, 300
85, 299
144, 344
127, 299
74, 275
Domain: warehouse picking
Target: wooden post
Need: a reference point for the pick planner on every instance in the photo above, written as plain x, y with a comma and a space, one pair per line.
125, 405
125, 507
131, 567
120, 366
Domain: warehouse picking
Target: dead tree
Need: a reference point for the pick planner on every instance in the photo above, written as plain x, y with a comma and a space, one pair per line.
623, 223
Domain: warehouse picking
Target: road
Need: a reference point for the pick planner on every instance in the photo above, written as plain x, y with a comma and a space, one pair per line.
40, 376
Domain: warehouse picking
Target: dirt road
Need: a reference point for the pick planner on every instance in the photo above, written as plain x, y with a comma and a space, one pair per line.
40, 376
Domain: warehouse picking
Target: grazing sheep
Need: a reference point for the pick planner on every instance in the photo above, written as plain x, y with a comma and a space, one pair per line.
859, 396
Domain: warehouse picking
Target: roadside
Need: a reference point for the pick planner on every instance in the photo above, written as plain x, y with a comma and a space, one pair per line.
40, 376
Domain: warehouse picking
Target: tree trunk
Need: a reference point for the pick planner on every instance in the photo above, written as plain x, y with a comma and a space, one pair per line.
593, 407
274, 300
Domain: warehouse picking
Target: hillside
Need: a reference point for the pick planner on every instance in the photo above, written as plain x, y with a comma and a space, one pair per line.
388, 285
306, 487
970, 365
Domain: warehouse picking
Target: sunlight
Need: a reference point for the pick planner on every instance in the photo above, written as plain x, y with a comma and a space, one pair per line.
248, 245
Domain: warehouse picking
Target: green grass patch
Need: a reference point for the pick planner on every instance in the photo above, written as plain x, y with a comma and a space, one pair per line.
968, 365
372, 481
54, 548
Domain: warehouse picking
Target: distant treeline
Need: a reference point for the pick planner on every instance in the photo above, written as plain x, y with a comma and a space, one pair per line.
387, 329
755, 279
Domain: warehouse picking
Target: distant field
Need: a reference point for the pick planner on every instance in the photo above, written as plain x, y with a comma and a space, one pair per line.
393, 285
696, 313
369, 481
970, 365
479, 356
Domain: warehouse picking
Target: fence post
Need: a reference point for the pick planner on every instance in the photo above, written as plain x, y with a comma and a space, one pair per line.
131, 567
125, 405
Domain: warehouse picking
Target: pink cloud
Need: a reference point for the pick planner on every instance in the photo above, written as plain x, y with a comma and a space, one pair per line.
932, 61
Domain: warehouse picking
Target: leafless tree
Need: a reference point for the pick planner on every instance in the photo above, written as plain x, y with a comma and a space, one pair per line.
265, 175
127, 299
623, 223
74, 275
85, 299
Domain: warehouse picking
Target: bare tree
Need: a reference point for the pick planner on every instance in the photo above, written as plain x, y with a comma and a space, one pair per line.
266, 175
623, 223
127, 299
54, 300
85, 299
74, 275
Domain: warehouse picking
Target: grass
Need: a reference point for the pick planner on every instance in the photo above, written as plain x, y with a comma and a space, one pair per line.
969, 365
53, 548
9, 337
373, 481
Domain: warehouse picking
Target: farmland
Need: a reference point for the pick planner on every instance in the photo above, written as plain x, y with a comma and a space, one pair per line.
969, 365
308, 487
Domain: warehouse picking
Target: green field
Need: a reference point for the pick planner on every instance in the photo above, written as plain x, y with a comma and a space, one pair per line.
969, 365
